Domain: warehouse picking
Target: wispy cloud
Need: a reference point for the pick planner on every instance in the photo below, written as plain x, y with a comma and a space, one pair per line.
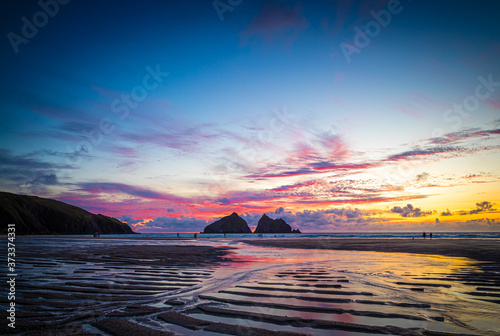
275, 24
107, 187
31, 173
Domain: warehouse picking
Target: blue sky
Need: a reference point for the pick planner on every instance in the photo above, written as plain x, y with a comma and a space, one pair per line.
255, 112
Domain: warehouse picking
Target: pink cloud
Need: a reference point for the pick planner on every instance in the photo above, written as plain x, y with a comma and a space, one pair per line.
334, 146
495, 104
296, 186
352, 166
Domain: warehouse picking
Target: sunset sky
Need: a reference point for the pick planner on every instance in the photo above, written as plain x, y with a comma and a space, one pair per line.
336, 116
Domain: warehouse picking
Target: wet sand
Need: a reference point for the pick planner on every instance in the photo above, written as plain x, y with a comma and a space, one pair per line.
150, 287
477, 249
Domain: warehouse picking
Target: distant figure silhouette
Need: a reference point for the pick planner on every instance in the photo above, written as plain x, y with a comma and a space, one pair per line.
224, 235
195, 235
424, 235
177, 235
430, 235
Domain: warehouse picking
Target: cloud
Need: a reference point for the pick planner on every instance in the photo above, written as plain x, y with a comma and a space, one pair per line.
171, 224
484, 206
493, 103
334, 146
292, 187
30, 160
315, 168
47, 179
410, 211
338, 219
327, 153
349, 213
223, 200
423, 177
446, 213
185, 139
129, 220
30, 173
420, 153
275, 24
461, 136
106, 187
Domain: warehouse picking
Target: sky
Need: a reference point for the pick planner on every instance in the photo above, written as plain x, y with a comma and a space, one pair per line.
338, 116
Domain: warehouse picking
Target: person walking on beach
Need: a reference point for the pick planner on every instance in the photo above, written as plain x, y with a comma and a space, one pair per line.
195, 235
430, 235
424, 235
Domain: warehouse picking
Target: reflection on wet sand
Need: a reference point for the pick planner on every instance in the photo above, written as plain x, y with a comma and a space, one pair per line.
237, 289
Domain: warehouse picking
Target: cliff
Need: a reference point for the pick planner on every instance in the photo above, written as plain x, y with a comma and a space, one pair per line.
37, 215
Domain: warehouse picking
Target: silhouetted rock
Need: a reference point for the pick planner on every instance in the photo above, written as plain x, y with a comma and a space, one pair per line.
229, 224
269, 225
37, 215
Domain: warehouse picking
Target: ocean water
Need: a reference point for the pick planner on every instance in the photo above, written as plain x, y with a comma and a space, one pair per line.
381, 235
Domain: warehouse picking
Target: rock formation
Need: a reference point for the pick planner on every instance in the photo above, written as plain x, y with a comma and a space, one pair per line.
37, 215
229, 224
269, 225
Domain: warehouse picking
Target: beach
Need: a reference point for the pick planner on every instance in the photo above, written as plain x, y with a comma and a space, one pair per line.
269, 286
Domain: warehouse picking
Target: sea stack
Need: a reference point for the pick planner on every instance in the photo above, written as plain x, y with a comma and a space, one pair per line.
269, 225
229, 224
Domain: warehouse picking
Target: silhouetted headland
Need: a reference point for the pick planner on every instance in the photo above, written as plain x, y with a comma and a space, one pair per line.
36, 215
